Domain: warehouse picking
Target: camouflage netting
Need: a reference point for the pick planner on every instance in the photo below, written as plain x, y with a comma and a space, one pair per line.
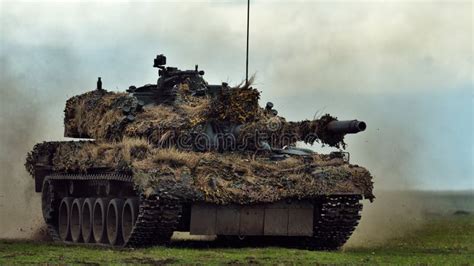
280, 133
97, 114
110, 116
220, 178
238, 105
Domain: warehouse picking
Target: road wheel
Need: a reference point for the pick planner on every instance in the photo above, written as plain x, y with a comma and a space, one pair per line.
64, 219
99, 213
129, 216
86, 222
76, 220
114, 222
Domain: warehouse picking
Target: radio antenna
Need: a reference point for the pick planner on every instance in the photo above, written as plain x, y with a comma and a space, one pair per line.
247, 54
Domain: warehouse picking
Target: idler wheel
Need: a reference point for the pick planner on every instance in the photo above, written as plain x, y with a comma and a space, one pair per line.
76, 220
64, 219
86, 223
46, 199
114, 222
129, 216
99, 213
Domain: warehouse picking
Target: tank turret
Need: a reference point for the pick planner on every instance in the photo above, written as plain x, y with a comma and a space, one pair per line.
183, 110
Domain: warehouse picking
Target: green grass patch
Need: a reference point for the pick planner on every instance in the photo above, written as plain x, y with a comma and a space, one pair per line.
446, 240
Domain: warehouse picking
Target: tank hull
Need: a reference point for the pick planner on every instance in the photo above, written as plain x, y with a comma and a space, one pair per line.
211, 194
220, 178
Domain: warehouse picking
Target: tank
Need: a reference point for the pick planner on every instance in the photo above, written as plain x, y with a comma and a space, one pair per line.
184, 155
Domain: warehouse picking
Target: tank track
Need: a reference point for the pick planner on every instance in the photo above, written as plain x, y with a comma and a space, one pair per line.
49, 202
156, 220
335, 220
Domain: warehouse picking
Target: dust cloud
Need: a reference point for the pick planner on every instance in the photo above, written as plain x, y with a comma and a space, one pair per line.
397, 214
393, 214
19, 123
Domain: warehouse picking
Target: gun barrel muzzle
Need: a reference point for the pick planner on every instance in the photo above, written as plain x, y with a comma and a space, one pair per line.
346, 127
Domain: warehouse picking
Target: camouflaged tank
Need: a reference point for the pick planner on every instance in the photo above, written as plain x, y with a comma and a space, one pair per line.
183, 155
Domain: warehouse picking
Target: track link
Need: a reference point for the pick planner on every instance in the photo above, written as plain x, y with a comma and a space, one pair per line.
334, 221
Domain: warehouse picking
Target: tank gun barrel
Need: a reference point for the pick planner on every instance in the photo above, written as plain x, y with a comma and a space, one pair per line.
346, 126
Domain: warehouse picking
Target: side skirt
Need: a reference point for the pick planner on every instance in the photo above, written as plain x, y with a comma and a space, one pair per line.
283, 218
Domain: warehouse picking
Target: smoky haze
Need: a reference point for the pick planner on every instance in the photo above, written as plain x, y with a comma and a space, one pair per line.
18, 205
404, 68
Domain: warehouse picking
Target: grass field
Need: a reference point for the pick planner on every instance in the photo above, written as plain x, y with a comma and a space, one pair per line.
443, 240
